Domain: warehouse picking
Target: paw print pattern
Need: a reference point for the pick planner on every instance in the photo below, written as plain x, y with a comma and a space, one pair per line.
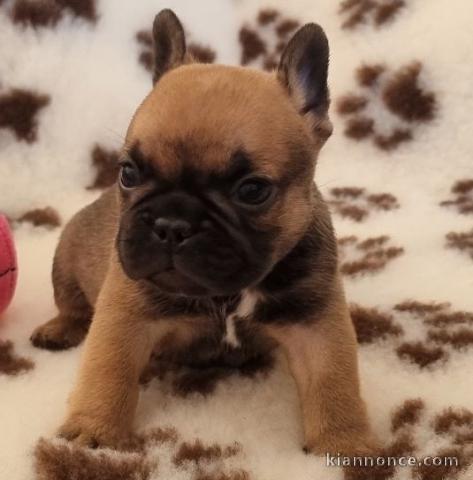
356, 203
369, 256
411, 420
420, 333
462, 241
462, 200
200, 53
48, 13
443, 331
388, 107
143, 458
106, 167
357, 12
18, 112
263, 42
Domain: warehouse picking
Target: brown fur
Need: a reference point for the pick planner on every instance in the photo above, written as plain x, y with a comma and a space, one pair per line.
284, 131
328, 426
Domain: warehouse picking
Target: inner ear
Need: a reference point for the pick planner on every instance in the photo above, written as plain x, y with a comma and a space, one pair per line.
303, 71
169, 43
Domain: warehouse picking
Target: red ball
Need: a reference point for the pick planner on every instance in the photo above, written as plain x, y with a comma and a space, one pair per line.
8, 265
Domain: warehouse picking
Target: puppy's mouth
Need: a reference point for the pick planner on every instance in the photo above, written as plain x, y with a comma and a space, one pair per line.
173, 281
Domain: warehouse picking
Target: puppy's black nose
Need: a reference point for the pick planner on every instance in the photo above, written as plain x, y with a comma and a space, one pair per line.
172, 231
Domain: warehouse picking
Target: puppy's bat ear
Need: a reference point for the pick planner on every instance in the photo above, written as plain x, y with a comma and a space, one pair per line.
169, 43
303, 71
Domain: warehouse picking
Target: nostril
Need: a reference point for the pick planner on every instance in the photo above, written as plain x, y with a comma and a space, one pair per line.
162, 234
161, 229
181, 230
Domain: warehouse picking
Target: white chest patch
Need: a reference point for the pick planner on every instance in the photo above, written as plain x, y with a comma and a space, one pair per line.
244, 309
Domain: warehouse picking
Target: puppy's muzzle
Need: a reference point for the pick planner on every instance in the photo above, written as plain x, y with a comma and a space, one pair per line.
174, 218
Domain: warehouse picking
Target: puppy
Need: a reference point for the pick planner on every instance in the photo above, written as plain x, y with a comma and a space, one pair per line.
215, 223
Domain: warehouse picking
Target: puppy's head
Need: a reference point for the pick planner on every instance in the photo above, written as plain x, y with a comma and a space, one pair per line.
217, 173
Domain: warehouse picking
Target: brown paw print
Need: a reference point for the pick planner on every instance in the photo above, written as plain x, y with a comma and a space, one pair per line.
462, 192
48, 13
105, 164
18, 112
360, 257
198, 52
410, 422
356, 203
444, 331
263, 42
399, 93
10, 363
47, 217
379, 12
462, 241
142, 459
439, 330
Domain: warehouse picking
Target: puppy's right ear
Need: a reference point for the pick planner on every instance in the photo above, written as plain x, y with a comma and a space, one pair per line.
169, 43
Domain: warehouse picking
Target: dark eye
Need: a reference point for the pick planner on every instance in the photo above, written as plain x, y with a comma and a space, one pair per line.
130, 175
254, 191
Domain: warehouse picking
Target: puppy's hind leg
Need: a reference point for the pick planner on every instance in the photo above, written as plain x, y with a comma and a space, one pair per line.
70, 326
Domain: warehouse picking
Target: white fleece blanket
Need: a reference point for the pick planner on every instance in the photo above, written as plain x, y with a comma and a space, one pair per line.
403, 128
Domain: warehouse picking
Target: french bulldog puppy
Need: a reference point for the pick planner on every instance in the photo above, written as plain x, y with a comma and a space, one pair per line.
215, 224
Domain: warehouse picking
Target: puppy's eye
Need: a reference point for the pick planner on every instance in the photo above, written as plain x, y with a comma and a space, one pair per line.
254, 191
130, 175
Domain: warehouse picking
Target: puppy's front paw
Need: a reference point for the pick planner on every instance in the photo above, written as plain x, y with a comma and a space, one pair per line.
87, 431
58, 334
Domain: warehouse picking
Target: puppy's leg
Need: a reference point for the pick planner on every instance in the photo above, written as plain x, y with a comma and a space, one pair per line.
103, 402
70, 326
323, 360
117, 348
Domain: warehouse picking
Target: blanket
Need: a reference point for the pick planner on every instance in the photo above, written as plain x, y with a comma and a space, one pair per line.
397, 174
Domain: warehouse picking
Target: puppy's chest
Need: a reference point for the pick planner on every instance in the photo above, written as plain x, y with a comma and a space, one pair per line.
242, 311
228, 337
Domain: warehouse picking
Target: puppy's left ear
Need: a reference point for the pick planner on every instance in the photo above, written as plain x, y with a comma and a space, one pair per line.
303, 71
169, 43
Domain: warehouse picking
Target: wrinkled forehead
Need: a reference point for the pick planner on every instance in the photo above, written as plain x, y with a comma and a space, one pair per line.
207, 118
